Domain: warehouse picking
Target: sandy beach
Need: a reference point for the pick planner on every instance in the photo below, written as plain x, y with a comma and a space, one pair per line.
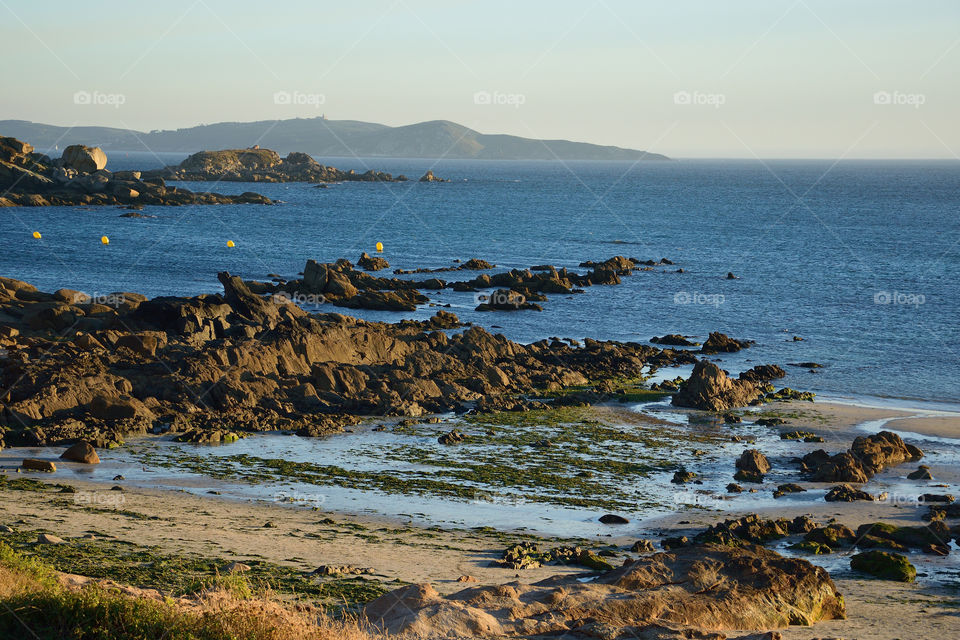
398, 551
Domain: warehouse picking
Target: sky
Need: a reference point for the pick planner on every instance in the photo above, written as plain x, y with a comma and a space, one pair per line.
687, 78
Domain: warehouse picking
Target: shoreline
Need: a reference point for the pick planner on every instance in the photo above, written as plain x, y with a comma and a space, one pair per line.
845, 423
402, 550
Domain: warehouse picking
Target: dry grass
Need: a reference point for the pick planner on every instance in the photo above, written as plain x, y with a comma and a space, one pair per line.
33, 604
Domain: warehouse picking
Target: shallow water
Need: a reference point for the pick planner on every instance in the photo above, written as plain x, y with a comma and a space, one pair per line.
158, 462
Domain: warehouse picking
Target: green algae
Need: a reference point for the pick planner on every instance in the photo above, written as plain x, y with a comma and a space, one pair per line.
176, 574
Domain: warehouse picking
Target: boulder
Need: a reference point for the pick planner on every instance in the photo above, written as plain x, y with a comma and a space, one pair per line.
922, 473
785, 489
612, 518
83, 452
721, 343
846, 493
751, 528
843, 467
83, 158
753, 461
33, 464
371, 263
711, 389
46, 538
763, 373
833, 535
643, 546
429, 177
884, 449
674, 340
881, 564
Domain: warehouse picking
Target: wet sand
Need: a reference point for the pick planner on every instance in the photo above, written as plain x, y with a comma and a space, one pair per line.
396, 549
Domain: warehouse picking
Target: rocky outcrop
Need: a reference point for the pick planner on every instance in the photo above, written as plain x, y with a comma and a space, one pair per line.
709, 388
339, 283
674, 340
706, 587
429, 177
79, 178
751, 466
846, 493
97, 369
867, 456
763, 373
262, 165
721, 343
372, 263
506, 300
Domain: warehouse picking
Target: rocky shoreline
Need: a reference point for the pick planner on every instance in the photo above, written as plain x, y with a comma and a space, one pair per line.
251, 359
80, 177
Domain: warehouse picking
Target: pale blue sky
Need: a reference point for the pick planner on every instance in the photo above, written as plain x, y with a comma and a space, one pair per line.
769, 78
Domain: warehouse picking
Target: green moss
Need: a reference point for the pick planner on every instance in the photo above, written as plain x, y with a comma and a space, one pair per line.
566, 456
179, 574
809, 546
881, 564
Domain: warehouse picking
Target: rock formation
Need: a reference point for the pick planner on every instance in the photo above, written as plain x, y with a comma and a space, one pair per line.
96, 369
711, 389
867, 456
262, 165
79, 178
705, 587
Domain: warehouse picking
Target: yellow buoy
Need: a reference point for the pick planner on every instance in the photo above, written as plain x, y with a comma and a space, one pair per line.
104, 240
230, 243
36, 234
379, 247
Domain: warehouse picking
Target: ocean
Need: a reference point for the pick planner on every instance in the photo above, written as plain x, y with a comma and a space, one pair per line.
858, 258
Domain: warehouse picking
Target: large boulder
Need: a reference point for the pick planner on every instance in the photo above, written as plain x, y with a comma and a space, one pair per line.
722, 343
707, 587
867, 456
711, 389
751, 466
82, 452
372, 263
881, 564
83, 158
884, 449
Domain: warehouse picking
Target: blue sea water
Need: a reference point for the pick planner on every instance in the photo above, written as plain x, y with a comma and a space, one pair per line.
859, 258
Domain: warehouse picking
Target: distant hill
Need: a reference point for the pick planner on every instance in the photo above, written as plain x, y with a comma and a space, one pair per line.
325, 138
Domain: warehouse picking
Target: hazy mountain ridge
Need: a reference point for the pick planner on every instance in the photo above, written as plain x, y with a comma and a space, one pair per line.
321, 137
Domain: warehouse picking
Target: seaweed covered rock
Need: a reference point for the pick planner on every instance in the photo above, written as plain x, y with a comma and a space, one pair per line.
706, 587
833, 535
885, 565
934, 535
